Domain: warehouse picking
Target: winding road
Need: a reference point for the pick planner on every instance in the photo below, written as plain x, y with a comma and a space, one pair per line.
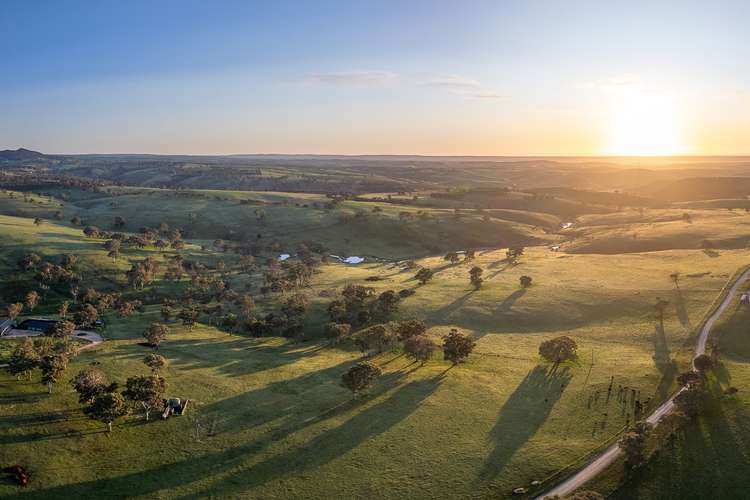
610, 454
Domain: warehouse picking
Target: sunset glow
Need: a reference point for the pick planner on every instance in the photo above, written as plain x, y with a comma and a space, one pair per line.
646, 125
512, 78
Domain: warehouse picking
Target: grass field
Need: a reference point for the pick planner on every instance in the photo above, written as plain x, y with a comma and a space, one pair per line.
351, 228
709, 457
270, 418
282, 426
660, 229
50, 240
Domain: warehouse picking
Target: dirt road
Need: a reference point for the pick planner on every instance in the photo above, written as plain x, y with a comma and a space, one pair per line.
610, 454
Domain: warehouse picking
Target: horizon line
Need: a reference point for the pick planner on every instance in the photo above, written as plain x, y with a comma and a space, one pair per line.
401, 155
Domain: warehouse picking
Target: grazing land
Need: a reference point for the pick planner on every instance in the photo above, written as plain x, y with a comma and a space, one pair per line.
629, 276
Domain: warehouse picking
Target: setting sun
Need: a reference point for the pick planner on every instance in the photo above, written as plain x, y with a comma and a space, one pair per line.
643, 124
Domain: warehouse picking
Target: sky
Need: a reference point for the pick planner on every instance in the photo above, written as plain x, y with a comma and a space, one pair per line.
430, 77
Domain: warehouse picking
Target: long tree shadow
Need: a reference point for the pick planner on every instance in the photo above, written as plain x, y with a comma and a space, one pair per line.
497, 269
335, 442
663, 361
732, 335
445, 312
522, 415
301, 401
681, 310
41, 418
236, 357
507, 304
662, 357
46, 436
210, 466
706, 459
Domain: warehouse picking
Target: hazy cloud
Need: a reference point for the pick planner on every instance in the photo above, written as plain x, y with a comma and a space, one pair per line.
354, 78
462, 86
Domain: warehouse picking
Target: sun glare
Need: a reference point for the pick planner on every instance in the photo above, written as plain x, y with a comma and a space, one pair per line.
643, 124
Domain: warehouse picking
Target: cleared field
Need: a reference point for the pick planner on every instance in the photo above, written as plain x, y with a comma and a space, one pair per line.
270, 418
658, 229
282, 426
350, 228
709, 457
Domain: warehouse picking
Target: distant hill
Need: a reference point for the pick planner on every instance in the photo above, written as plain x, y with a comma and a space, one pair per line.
21, 154
703, 188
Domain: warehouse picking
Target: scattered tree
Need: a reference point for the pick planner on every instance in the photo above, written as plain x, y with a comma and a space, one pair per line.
337, 331
107, 407
675, 277
387, 303
376, 337
148, 391
703, 363
424, 275
91, 231
53, 365
86, 316
360, 376
68, 261
457, 346
689, 378
691, 400
475, 277
23, 359
89, 383
32, 300
452, 257
63, 310
559, 349
166, 312
337, 310
513, 255
410, 328
155, 361
525, 281
633, 443
188, 316
419, 348
29, 261
62, 329
156, 333
13, 310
